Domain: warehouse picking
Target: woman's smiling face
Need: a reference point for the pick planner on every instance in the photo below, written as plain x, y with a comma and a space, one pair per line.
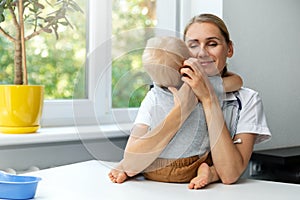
207, 44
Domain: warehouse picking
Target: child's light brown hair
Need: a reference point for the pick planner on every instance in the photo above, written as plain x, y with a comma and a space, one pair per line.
162, 59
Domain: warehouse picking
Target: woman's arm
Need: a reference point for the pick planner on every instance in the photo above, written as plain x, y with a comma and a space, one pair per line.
145, 146
230, 160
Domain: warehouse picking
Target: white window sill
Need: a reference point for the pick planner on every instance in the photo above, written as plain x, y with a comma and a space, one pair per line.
66, 134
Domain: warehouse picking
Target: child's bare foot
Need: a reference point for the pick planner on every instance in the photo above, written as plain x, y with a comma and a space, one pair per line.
117, 176
203, 178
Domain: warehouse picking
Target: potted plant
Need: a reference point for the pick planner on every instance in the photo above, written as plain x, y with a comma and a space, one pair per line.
20, 103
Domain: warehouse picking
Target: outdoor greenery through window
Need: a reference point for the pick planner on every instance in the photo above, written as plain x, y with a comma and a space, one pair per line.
56, 64
75, 77
59, 64
133, 23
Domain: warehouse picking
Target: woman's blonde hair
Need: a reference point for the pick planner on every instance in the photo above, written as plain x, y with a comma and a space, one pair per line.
210, 18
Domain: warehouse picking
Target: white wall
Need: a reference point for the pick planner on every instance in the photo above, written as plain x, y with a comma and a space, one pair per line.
266, 34
45, 155
190, 8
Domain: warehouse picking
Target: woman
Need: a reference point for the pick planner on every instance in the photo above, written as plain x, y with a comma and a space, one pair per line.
232, 132
208, 39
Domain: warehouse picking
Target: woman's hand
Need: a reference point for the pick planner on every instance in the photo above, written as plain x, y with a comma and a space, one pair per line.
195, 76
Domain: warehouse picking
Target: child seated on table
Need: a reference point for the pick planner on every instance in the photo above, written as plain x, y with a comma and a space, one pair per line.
186, 158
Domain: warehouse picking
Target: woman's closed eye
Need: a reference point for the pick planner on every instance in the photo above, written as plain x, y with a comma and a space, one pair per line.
197, 45
212, 44
193, 45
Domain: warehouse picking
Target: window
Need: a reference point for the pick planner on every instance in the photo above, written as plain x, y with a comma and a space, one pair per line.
89, 88
133, 22
116, 40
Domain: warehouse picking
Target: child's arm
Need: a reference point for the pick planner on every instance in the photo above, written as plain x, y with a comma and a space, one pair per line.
145, 145
232, 82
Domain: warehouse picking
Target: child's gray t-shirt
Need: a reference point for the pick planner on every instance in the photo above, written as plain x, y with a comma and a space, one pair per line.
192, 138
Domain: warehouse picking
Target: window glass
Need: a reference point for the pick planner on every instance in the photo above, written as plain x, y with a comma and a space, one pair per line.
133, 23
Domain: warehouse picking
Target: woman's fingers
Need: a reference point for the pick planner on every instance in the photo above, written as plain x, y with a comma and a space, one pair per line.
196, 78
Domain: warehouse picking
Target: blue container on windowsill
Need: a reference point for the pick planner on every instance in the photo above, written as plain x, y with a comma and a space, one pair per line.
17, 187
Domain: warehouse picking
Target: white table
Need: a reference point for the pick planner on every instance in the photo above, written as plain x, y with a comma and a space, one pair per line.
89, 181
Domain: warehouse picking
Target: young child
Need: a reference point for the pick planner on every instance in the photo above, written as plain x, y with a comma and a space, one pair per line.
185, 158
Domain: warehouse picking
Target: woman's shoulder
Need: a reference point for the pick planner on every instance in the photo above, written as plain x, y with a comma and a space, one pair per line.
247, 94
247, 91
246, 97
252, 117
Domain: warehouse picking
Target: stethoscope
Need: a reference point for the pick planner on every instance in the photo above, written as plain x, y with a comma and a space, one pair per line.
238, 140
238, 104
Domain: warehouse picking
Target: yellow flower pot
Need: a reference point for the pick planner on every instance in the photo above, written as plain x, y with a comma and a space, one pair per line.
20, 108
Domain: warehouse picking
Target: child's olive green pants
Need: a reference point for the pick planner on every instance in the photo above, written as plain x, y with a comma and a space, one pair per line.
181, 170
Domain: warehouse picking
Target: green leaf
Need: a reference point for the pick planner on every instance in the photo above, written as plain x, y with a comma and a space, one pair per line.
2, 18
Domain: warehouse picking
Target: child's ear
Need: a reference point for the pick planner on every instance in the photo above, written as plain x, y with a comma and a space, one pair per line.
230, 50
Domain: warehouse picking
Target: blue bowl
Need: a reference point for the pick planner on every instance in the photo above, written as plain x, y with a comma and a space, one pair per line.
17, 187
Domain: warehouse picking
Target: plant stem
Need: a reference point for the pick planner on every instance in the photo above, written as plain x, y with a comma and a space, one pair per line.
21, 22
